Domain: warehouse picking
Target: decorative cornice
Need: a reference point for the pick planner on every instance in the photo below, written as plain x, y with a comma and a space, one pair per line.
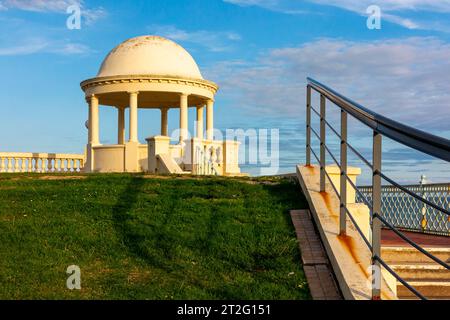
102, 81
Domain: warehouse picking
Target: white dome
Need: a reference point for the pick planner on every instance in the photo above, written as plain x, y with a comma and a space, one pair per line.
150, 55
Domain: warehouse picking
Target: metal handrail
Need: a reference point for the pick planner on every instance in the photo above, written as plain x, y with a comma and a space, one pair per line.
412, 243
437, 184
382, 126
356, 152
402, 281
420, 140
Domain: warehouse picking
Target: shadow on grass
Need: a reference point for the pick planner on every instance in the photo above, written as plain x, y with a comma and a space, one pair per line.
121, 214
144, 241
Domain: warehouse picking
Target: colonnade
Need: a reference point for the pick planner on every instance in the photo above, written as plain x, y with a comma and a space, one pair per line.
94, 132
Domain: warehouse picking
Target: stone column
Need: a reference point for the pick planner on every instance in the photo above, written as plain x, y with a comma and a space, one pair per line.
93, 121
132, 146
120, 125
200, 121
93, 133
210, 120
183, 117
133, 117
164, 122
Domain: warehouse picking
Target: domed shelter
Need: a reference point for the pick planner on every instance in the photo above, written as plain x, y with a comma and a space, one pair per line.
152, 72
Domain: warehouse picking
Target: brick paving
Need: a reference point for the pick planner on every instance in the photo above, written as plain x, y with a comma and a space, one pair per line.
315, 262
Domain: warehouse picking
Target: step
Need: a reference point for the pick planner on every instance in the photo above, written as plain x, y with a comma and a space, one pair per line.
416, 298
429, 271
431, 289
397, 255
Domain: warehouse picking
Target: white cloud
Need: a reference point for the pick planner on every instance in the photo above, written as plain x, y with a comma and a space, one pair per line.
400, 12
261, 3
390, 5
56, 6
69, 48
275, 5
42, 45
358, 5
405, 22
39, 5
213, 41
24, 49
406, 79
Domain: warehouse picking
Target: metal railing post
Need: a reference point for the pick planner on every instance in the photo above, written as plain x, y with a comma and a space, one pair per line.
376, 222
416, 139
343, 185
308, 125
322, 142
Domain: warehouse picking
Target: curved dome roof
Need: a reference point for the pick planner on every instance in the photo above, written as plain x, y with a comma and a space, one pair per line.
150, 55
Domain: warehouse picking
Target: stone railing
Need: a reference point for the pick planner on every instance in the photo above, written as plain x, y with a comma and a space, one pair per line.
13, 162
207, 157
196, 156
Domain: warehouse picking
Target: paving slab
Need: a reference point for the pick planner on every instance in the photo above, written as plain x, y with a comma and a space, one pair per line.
315, 262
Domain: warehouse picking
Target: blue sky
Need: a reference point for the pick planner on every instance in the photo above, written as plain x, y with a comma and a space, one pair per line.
259, 52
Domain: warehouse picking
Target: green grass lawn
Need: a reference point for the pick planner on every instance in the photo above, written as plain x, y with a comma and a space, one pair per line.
143, 237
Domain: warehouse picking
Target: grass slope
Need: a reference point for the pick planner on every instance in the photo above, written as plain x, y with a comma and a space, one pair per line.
139, 237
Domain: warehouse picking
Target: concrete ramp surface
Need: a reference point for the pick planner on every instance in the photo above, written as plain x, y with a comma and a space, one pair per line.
166, 164
348, 255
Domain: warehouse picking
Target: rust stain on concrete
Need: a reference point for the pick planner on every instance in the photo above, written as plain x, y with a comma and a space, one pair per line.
347, 242
327, 200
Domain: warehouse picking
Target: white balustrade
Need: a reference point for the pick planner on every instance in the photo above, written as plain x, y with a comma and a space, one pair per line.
13, 162
207, 157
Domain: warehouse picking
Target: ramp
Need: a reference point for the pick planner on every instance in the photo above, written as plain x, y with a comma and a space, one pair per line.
349, 256
166, 164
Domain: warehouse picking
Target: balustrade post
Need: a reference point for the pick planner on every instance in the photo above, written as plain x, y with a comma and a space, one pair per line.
43, 165
16, 165
308, 125
56, 165
36, 165
322, 142
376, 222
9, 165
2, 164
22, 165
343, 182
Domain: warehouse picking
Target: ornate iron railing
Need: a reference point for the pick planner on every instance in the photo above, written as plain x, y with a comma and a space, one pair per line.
408, 213
382, 127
